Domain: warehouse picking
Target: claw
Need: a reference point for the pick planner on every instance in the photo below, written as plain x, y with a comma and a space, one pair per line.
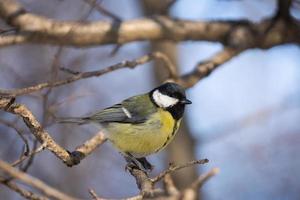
146, 165
130, 166
139, 163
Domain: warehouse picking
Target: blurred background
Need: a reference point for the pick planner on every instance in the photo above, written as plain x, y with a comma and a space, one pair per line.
244, 117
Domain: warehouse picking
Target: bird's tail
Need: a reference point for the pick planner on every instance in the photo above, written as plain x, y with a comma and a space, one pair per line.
72, 120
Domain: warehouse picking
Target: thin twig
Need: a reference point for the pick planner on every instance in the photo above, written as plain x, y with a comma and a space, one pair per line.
191, 192
147, 184
50, 31
94, 194
24, 193
137, 197
201, 70
102, 10
125, 64
204, 68
69, 158
19, 132
204, 177
73, 97
173, 168
24, 157
169, 185
36, 183
8, 31
116, 21
96, 197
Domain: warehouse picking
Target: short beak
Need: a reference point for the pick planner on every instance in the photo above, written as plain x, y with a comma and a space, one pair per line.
185, 101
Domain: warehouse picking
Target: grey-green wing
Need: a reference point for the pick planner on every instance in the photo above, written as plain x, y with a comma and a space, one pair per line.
133, 110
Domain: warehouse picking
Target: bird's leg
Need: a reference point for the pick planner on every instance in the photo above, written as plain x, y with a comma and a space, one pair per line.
132, 161
140, 163
145, 163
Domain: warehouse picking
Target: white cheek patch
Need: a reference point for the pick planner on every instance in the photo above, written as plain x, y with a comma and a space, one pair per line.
163, 100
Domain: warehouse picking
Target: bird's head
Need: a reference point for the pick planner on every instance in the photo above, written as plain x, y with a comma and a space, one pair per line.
171, 97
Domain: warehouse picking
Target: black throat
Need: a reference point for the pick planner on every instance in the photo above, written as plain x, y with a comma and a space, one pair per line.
176, 111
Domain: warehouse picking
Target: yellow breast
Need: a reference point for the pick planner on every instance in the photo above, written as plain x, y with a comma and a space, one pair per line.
145, 138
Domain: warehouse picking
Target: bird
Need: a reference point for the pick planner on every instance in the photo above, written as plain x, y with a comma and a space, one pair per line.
143, 124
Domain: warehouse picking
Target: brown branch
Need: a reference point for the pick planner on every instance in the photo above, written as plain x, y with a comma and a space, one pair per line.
138, 197
102, 10
36, 183
94, 194
24, 193
204, 177
88, 147
37, 29
282, 15
169, 186
173, 168
79, 76
283, 9
239, 36
188, 80
143, 182
7, 31
96, 197
170, 192
147, 184
33, 152
204, 68
8, 40
191, 192
69, 158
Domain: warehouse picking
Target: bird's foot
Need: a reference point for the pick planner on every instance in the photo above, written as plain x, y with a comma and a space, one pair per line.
138, 163
145, 163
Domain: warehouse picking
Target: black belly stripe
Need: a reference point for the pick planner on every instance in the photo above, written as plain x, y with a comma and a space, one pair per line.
168, 138
175, 128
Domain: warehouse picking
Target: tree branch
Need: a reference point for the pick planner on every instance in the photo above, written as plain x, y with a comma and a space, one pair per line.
283, 9
144, 182
191, 191
188, 80
236, 36
24, 193
37, 29
24, 157
79, 76
69, 158
169, 186
36, 183
204, 177
102, 10
204, 68
173, 168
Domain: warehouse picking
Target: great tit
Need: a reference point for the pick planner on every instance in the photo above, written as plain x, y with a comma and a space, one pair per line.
142, 125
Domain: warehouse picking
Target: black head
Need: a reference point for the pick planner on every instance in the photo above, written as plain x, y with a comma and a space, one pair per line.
171, 97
